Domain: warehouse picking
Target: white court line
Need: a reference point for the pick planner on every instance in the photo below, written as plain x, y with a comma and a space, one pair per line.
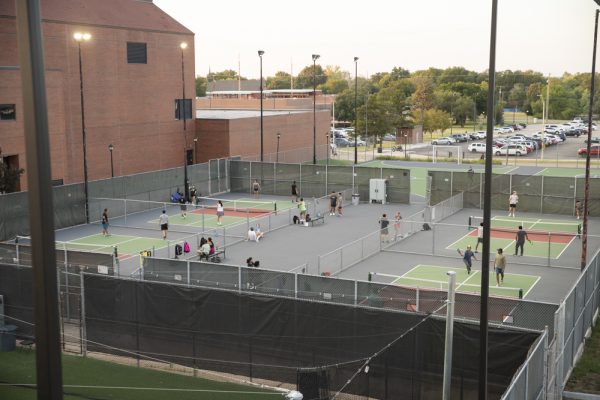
451, 246
510, 170
406, 273
465, 281
531, 287
540, 172
563, 250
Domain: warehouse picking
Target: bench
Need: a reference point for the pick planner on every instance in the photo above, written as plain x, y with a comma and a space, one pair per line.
217, 256
320, 218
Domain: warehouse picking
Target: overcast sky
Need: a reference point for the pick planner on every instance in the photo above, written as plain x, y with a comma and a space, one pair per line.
550, 36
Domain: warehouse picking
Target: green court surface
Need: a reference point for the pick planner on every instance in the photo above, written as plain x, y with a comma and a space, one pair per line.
548, 238
435, 277
563, 172
126, 245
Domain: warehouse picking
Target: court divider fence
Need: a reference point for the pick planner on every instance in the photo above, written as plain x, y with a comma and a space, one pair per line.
542, 376
317, 180
537, 193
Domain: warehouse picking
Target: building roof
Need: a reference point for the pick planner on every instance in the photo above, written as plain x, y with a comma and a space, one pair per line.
240, 114
128, 14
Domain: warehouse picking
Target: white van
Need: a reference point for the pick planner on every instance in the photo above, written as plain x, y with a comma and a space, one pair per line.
476, 147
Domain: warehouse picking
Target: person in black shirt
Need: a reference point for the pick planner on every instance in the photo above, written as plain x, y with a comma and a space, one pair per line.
294, 192
520, 239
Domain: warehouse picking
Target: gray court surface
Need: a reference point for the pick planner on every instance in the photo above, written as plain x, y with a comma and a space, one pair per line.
295, 247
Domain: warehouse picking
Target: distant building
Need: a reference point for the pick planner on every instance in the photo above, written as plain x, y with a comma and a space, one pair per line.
132, 79
231, 133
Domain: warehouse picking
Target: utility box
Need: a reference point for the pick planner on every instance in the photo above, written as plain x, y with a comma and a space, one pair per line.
378, 191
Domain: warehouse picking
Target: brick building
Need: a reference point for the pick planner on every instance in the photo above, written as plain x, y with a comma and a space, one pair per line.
133, 86
230, 133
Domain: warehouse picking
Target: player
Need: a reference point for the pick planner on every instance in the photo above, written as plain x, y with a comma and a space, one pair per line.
467, 256
163, 220
513, 199
479, 236
520, 238
256, 189
499, 267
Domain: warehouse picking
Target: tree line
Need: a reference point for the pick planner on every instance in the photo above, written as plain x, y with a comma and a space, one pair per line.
433, 98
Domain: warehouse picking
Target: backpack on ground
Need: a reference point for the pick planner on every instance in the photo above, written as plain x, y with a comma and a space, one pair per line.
186, 247
178, 250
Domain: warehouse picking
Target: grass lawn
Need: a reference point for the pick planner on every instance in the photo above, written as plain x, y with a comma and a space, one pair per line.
586, 374
19, 367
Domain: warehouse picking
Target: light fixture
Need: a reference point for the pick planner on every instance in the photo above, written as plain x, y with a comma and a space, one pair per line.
79, 36
183, 45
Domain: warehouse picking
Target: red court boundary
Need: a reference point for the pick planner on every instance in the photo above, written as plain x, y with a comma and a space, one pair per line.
231, 213
534, 236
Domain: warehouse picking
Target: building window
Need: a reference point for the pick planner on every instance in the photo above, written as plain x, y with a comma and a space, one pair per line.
136, 53
185, 104
7, 112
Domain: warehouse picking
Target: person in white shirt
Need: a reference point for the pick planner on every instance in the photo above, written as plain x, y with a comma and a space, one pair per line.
220, 212
252, 235
479, 236
163, 220
259, 233
513, 199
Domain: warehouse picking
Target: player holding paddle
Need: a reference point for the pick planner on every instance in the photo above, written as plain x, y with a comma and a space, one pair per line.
467, 256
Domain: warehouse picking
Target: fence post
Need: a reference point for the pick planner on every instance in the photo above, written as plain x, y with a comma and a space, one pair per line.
125, 208
295, 285
418, 300
574, 194
188, 272
209, 181
451, 184
239, 279
355, 292
542, 197
82, 332
510, 190
549, 245
433, 237
319, 265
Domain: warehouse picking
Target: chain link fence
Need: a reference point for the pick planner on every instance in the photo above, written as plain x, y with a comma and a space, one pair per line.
537, 193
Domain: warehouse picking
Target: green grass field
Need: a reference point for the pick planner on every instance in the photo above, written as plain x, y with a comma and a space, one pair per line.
435, 277
86, 378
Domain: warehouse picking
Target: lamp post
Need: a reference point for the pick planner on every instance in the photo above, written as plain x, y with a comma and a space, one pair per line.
83, 37
355, 113
526, 117
315, 57
195, 150
186, 186
277, 155
260, 54
112, 169
586, 193
328, 147
405, 144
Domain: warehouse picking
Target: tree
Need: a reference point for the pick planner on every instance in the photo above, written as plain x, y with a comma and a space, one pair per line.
201, 83
463, 109
9, 177
434, 119
423, 98
304, 80
281, 80
226, 75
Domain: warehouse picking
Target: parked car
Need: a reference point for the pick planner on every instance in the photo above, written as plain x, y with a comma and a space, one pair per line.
342, 142
389, 137
534, 144
574, 132
508, 129
459, 137
442, 141
517, 138
594, 150
512, 149
476, 147
481, 134
594, 140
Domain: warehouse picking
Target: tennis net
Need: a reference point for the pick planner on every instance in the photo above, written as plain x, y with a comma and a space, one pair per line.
210, 204
530, 225
420, 283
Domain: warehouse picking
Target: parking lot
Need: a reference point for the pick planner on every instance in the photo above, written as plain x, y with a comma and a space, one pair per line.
566, 150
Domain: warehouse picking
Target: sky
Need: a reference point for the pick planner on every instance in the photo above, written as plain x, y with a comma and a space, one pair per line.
548, 36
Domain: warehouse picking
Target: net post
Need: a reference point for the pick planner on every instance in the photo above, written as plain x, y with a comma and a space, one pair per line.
239, 279
295, 285
520, 294
370, 277
355, 292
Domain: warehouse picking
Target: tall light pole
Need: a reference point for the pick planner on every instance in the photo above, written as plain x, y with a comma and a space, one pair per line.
487, 213
315, 57
405, 144
355, 113
543, 125
112, 169
277, 156
586, 193
186, 185
260, 54
83, 37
